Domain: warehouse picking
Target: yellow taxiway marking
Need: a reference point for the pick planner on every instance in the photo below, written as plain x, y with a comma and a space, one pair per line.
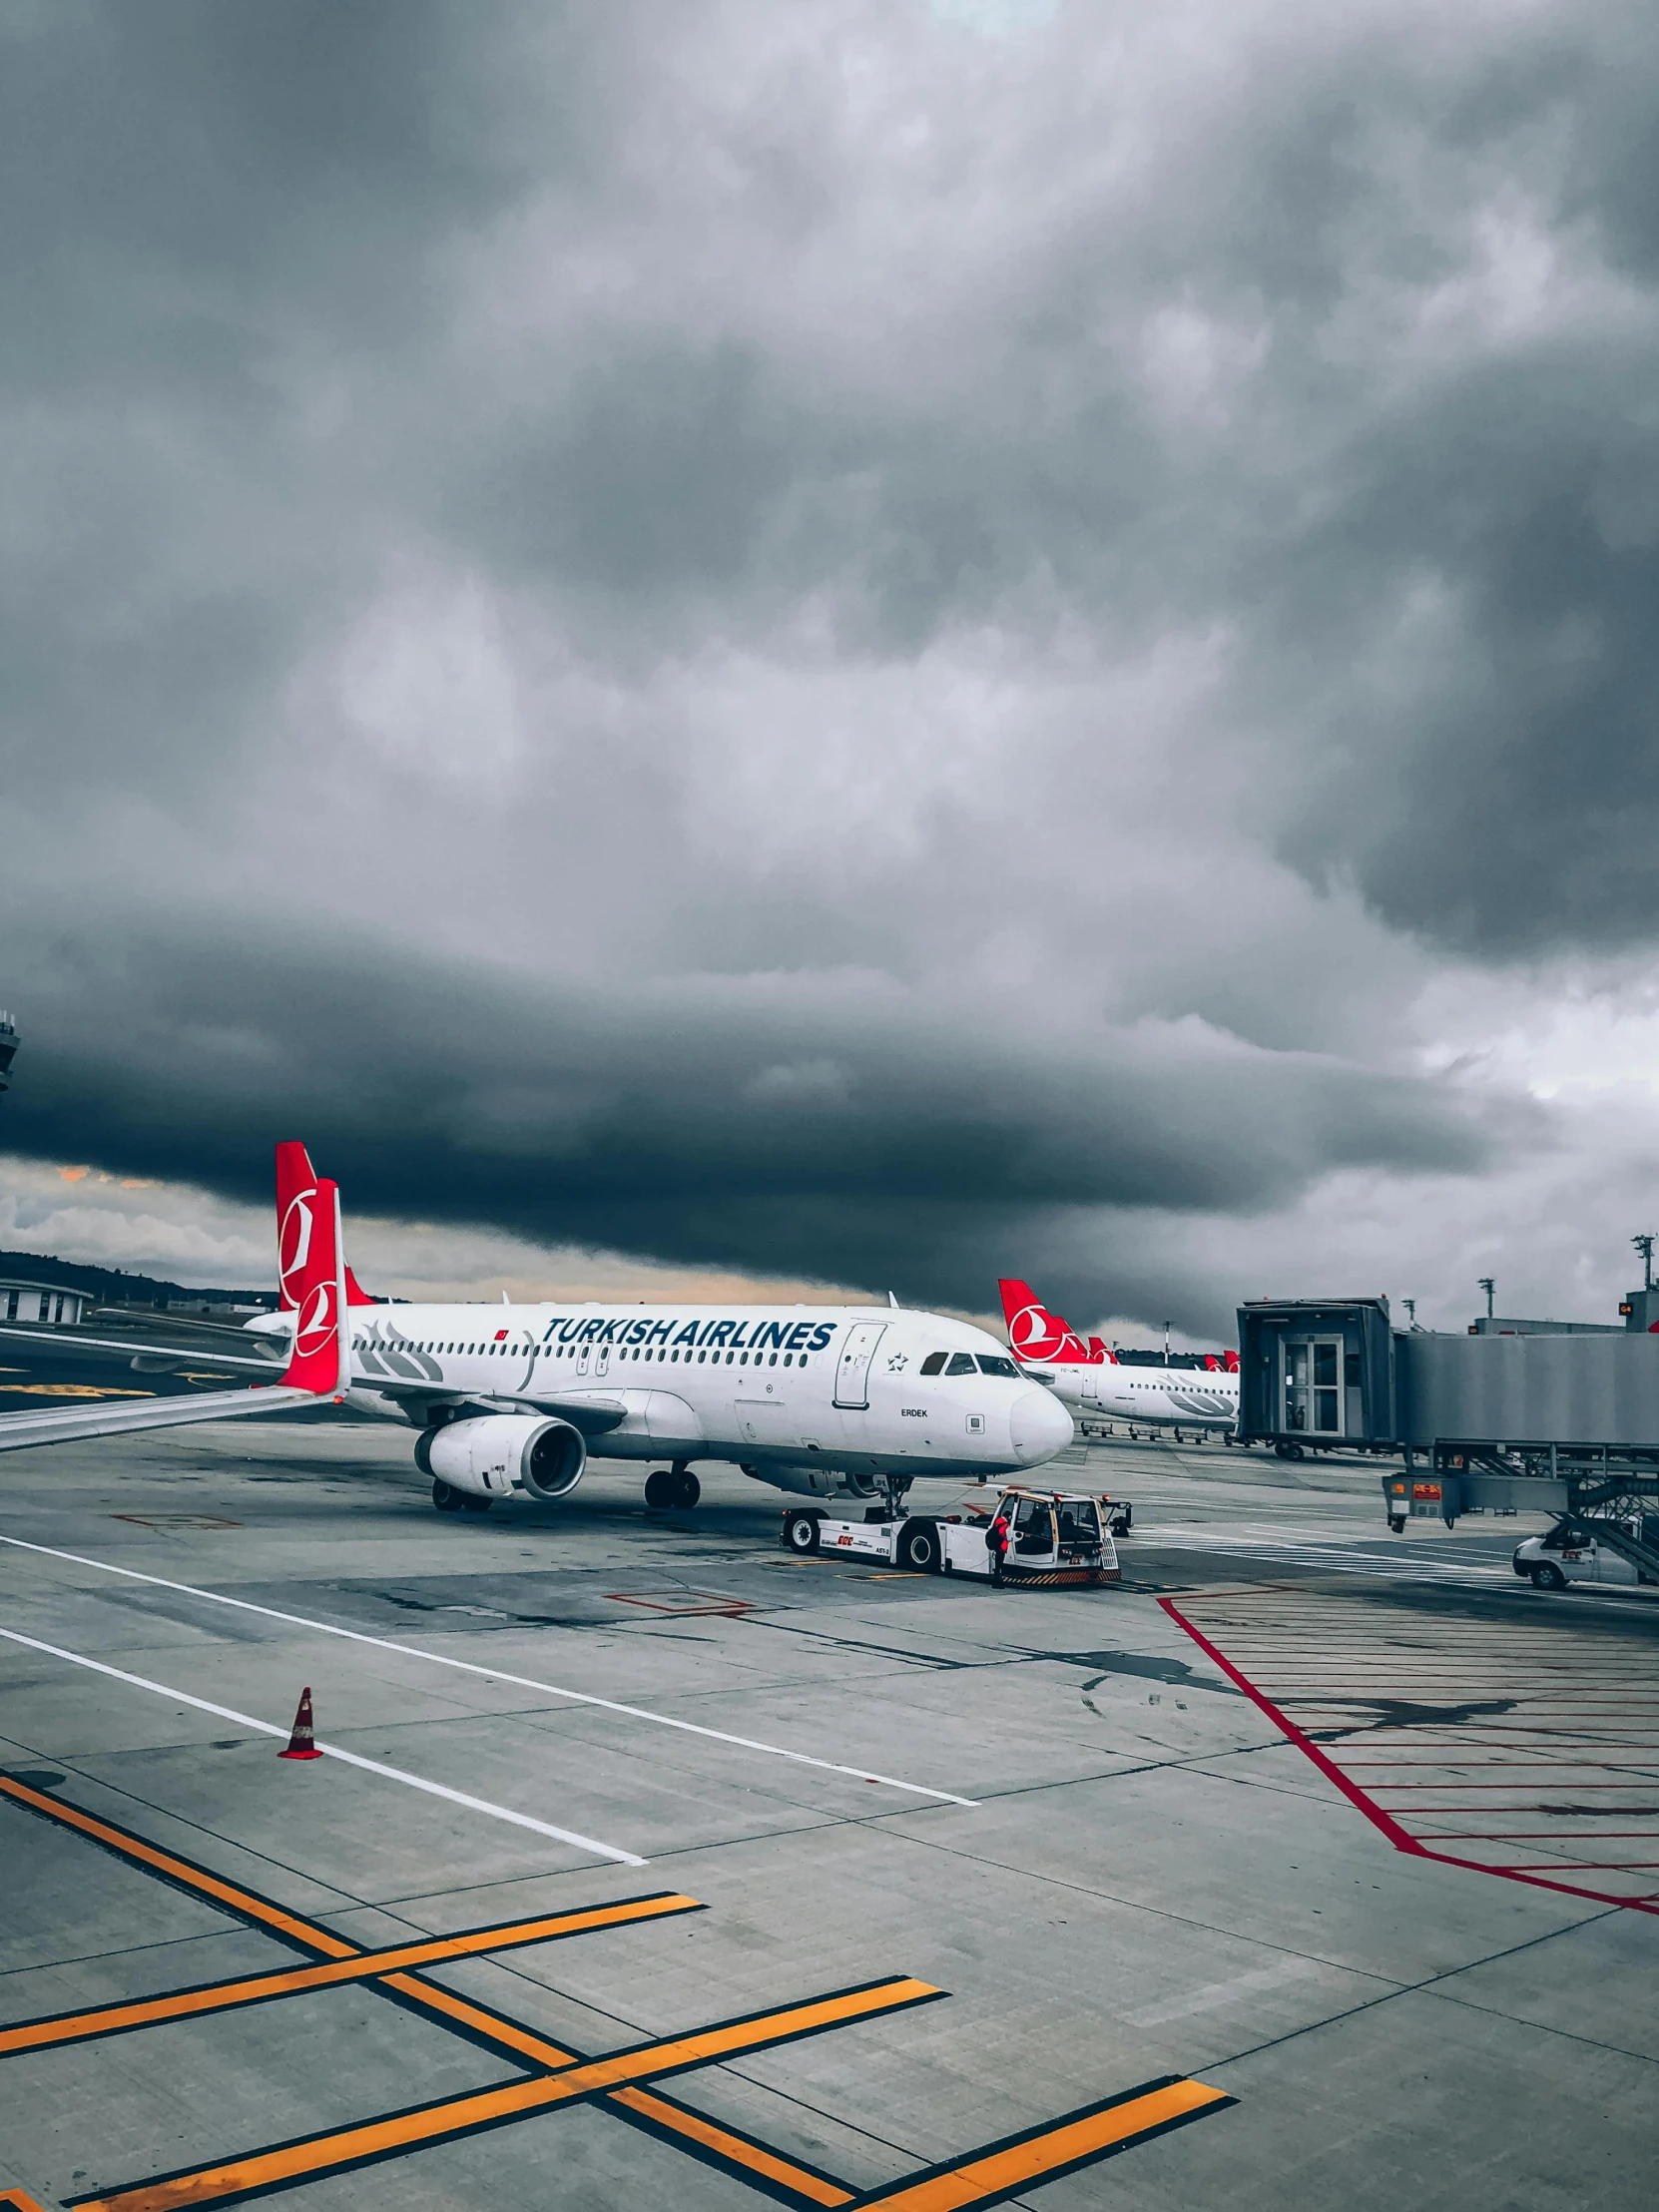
63, 1390
456, 2116
989, 2176
368, 1965
505, 2035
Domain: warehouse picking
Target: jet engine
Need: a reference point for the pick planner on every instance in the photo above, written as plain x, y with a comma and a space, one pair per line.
495, 1454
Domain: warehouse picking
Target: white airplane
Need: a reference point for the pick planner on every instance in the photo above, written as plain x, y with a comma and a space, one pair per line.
508, 1398
1093, 1383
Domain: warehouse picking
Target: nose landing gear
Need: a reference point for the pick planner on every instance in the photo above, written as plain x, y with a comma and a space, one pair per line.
669, 1487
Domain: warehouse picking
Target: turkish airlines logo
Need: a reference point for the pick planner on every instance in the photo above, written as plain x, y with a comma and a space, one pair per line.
316, 1322
294, 1245
1036, 1334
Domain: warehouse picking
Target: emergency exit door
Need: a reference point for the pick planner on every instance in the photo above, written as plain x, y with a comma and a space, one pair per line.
852, 1368
1314, 1385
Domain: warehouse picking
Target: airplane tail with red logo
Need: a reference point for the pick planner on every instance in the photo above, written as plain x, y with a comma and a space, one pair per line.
312, 1260
296, 1176
1044, 1338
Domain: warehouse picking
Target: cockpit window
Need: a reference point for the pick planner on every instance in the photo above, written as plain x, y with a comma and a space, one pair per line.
961, 1362
1005, 1368
933, 1364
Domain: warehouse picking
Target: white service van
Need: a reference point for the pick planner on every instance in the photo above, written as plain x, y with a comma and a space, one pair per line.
1572, 1554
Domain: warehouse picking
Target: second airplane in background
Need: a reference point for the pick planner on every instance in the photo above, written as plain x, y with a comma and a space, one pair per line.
1094, 1385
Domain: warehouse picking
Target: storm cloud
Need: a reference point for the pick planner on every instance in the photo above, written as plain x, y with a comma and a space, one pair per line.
878, 642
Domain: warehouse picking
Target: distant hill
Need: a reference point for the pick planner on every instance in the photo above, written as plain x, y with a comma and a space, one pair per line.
115, 1287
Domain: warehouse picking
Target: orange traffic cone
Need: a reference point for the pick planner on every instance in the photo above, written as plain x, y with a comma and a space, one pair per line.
302, 1744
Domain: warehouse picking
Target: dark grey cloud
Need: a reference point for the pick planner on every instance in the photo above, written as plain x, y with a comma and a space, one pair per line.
847, 1132
920, 637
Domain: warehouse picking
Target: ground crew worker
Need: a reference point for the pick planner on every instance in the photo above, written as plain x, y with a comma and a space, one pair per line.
996, 1543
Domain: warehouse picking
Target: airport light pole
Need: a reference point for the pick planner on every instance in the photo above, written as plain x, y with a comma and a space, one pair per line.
1488, 1286
1644, 1245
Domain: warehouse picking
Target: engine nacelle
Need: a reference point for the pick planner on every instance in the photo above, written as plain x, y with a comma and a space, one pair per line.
495, 1454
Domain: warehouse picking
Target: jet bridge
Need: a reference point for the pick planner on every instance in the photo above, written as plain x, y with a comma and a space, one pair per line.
1565, 1425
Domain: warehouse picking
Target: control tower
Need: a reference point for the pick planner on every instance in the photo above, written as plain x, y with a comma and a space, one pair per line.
8, 1049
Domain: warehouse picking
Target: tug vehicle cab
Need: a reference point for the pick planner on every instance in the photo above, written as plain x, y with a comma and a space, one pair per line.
1049, 1539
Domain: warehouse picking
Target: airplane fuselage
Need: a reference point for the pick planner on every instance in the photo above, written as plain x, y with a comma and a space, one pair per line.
1173, 1398
795, 1394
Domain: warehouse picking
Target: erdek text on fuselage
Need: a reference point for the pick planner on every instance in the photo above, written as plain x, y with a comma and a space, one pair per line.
798, 1397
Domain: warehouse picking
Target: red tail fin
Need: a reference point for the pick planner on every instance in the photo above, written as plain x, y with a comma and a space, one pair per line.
312, 1265
1037, 1334
1232, 1360
295, 1181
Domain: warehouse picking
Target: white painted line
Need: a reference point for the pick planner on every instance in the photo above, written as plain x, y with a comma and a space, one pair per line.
333, 1751
495, 1674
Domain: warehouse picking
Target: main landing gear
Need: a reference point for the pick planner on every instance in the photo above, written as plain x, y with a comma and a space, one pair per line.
668, 1487
448, 1500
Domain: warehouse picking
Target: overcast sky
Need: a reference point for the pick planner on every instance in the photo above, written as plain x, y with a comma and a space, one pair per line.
853, 644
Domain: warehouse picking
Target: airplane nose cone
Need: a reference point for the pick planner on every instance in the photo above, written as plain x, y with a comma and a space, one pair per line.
1038, 1427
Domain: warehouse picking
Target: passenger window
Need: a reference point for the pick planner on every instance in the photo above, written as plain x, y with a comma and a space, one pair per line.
933, 1364
961, 1362
772, 1361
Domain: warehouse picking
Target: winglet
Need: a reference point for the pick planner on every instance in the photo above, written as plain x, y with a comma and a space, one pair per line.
313, 1264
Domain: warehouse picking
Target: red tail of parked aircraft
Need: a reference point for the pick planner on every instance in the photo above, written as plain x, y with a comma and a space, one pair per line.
296, 1187
315, 1280
1036, 1334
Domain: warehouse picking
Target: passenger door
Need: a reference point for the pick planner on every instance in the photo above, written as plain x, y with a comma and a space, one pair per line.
853, 1368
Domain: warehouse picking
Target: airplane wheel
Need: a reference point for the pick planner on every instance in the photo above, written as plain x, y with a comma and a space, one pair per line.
659, 1488
444, 1499
686, 1489
800, 1532
477, 1505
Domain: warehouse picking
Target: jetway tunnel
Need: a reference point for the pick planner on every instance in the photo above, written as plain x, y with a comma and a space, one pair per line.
1565, 1424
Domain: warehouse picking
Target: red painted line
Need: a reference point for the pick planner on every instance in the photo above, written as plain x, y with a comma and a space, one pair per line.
1327, 1767
1376, 1814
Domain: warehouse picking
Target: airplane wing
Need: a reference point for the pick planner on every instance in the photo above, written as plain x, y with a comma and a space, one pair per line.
18, 1430
317, 1373
147, 1357
594, 1412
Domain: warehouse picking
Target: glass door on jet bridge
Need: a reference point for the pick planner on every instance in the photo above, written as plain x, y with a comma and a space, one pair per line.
1314, 1385
853, 1368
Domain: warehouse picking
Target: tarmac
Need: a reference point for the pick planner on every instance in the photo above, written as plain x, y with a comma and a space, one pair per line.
648, 1862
